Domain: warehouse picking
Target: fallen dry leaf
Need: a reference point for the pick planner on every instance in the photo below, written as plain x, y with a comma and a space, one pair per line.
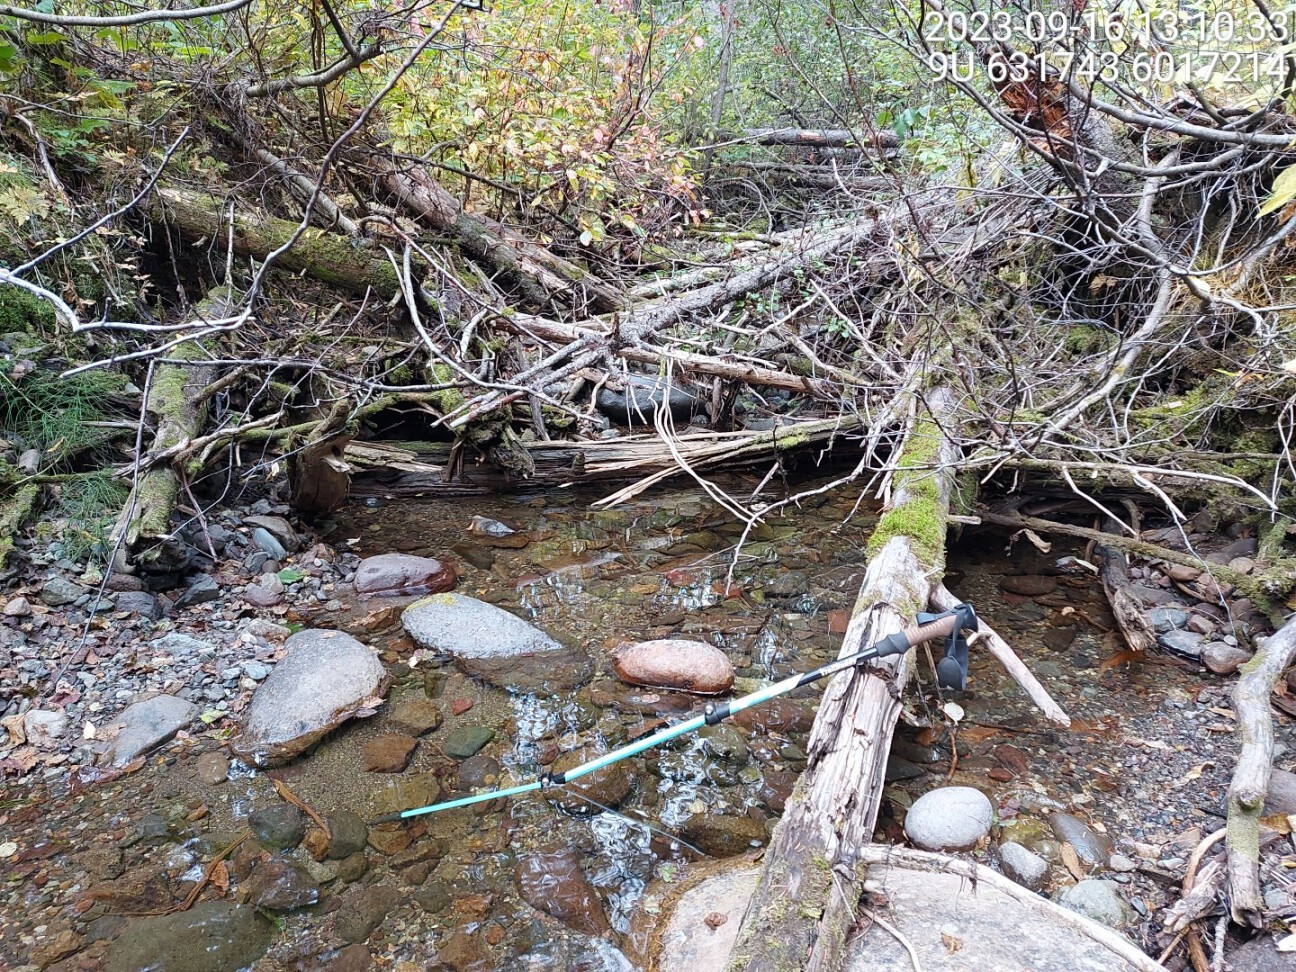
1072, 862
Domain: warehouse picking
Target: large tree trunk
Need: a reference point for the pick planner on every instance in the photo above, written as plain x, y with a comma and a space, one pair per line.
809, 888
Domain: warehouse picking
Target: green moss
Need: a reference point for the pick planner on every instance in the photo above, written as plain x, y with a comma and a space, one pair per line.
920, 514
1083, 339
14, 512
21, 312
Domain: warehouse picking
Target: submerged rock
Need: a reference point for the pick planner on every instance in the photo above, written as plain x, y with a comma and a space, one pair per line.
552, 882
950, 818
673, 663
277, 885
492, 644
723, 836
280, 826
1028, 585
587, 795
212, 936
396, 573
326, 678
147, 724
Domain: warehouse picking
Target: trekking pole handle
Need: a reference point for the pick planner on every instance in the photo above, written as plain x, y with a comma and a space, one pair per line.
940, 628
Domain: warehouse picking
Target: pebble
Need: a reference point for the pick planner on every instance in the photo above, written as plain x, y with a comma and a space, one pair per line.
145, 725
388, 754
415, 716
607, 787
1224, 659
280, 826
1028, 585
466, 741
950, 818
211, 768
18, 607
1183, 642
44, 727
1090, 846
58, 591
1165, 619
350, 834
266, 541
1023, 866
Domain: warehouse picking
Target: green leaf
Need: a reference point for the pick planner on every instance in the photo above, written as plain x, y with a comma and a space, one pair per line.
291, 575
44, 38
1283, 192
213, 715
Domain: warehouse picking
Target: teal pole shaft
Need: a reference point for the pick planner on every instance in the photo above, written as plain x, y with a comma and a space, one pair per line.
893, 644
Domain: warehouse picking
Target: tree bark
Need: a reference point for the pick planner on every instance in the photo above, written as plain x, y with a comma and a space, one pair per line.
180, 412
1250, 783
809, 888
821, 138
329, 257
540, 276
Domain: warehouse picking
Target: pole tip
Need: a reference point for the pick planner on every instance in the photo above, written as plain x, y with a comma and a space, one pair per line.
388, 818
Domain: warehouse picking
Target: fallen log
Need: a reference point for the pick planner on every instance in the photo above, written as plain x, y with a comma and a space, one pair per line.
334, 259
174, 400
540, 276
821, 138
418, 468
1250, 784
810, 883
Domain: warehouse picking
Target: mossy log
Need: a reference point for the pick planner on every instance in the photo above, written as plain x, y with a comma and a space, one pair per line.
540, 276
179, 409
338, 260
810, 883
15, 510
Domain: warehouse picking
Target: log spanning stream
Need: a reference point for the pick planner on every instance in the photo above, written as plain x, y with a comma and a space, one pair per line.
558, 882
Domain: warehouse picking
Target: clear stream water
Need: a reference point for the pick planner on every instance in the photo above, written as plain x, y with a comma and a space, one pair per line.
596, 579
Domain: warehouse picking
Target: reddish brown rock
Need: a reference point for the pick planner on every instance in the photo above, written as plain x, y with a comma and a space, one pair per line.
552, 882
397, 574
673, 663
1028, 585
1224, 659
388, 754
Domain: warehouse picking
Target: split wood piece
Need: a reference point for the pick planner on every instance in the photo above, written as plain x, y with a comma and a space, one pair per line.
943, 600
343, 261
1127, 611
410, 468
809, 887
318, 472
174, 400
878, 855
1250, 783
539, 275
303, 187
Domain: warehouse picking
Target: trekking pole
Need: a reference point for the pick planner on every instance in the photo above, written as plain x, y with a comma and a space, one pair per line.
951, 672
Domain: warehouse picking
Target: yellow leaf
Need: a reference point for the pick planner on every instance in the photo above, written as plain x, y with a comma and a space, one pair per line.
1072, 861
1283, 192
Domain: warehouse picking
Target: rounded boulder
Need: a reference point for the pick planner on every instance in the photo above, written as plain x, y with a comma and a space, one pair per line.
673, 663
951, 818
395, 574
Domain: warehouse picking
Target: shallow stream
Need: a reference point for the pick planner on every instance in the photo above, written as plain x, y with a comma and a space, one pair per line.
1142, 772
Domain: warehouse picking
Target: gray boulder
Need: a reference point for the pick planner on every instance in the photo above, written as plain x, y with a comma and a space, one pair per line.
492, 644
643, 393
147, 724
326, 678
950, 818
1099, 900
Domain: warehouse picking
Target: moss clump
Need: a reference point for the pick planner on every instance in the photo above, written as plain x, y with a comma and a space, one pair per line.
1083, 339
920, 513
24, 313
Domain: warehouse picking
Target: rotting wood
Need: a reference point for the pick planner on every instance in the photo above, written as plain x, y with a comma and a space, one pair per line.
822, 138
539, 275
1246, 795
808, 892
1125, 608
329, 257
175, 400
